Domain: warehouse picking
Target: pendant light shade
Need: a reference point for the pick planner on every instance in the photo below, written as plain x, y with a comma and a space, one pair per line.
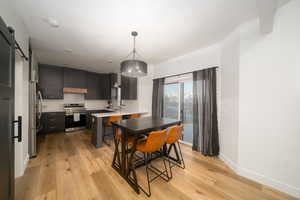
134, 67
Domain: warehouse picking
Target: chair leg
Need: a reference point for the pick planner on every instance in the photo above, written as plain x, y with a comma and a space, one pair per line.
166, 170
171, 174
104, 132
148, 177
181, 157
103, 136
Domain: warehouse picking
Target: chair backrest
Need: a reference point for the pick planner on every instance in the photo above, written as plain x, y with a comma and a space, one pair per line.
134, 116
118, 132
174, 134
155, 140
113, 118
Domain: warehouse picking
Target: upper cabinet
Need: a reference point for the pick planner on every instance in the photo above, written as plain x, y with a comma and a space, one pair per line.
51, 81
128, 88
98, 86
93, 86
113, 79
74, 78
105, 86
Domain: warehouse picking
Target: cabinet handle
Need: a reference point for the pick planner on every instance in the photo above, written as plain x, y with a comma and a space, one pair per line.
19, 122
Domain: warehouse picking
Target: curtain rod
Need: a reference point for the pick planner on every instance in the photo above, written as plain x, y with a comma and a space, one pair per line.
21, 51
187, 72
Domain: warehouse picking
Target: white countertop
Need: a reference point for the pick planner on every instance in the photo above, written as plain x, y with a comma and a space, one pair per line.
119, 112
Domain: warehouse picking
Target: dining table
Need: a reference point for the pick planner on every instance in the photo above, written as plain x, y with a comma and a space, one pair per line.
135, 128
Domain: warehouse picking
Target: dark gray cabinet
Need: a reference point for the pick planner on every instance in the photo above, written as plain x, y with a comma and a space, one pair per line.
113, 79
93, 86
53, 122
98, 86
105, 86
74, 78
51, 81
128, 88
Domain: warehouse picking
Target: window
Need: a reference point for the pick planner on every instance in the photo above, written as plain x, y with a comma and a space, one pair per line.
178, 102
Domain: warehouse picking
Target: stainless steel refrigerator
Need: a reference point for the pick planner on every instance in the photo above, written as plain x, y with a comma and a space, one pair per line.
35, 107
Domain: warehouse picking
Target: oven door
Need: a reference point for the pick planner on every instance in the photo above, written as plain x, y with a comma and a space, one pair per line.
75, 121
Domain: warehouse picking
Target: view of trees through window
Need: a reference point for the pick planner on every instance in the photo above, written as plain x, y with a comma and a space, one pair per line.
174, 102
171, 101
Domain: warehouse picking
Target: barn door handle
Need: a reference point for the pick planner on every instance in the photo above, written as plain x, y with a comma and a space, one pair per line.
19, 121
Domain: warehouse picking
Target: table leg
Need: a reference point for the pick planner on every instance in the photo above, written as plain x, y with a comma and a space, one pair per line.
116, 157
131, 168
126, 164
123, 152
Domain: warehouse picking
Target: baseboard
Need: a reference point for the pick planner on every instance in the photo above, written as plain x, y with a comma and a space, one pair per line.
228, 162
186, 143
286, 188
25, 162
23, 167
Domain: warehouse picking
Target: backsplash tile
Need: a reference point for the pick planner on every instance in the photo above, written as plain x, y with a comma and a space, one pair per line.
58, 105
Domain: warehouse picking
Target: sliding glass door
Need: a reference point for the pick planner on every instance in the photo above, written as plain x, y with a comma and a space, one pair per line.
187, 111
172, 101
178, 103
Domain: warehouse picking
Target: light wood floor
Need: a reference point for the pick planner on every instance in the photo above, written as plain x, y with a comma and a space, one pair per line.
69, 167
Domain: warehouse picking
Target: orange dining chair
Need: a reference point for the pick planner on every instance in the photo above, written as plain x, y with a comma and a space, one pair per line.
108, 124
155, 141
174, 135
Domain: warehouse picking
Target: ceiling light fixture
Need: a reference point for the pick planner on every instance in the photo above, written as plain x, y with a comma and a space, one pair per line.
133, 67
68, 50
52, 22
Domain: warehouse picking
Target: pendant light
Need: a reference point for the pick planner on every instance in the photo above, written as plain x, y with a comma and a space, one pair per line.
133, 67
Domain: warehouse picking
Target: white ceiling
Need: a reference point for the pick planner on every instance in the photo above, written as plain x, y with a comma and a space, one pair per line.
99, 30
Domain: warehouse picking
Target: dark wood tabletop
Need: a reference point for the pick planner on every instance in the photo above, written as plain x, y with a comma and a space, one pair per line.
145, 124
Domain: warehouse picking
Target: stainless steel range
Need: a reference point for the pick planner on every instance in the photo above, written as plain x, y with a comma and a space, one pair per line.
75, 116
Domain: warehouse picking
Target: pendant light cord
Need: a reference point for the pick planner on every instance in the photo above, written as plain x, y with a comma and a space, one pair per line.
134, 51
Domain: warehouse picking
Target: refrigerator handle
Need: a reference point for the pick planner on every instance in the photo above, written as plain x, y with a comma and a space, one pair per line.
40, 104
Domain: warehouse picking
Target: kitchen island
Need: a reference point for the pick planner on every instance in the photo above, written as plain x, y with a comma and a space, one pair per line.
99, 118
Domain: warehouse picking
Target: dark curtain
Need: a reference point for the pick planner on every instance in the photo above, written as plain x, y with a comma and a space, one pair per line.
158, 97
205, 126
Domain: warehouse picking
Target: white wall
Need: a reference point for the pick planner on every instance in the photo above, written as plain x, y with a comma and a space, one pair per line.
260, 93
58, 105
269, 128
19, 166
197, 60
145, 85
229, 119
21, 84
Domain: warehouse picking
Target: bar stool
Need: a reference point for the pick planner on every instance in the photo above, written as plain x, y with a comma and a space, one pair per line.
154, 142
135, 116
174, 135
109, 124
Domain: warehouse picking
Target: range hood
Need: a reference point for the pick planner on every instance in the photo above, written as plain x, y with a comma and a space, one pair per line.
76, 90
116, 93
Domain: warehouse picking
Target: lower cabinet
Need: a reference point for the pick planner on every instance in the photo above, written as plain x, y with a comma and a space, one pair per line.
53, 122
